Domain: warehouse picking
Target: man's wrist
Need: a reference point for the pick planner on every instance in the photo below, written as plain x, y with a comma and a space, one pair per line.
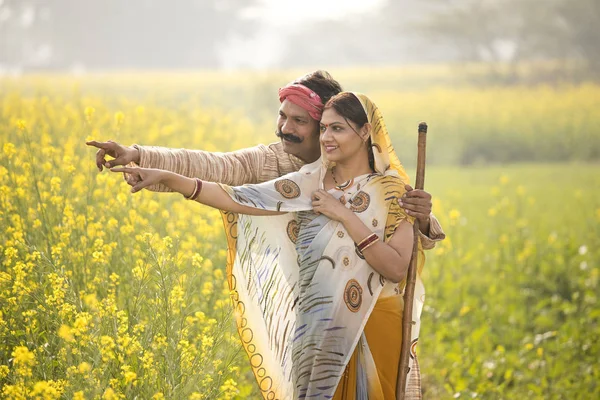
135, 154
424, 225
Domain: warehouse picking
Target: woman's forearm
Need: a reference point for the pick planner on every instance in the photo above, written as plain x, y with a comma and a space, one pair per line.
382, 257
211, 194
178, 183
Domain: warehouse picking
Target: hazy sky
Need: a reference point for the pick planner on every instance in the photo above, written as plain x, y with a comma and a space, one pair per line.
276, 16
284, 12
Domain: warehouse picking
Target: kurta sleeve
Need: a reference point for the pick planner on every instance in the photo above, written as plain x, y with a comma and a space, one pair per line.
436, 234
247, 166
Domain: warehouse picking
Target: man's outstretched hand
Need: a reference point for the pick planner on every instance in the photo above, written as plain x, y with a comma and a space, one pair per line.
122, 155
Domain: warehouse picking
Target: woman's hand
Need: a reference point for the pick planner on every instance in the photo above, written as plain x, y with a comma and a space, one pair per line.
324, 203
143, 177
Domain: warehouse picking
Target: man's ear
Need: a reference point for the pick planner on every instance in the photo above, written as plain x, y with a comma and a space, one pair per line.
365, 131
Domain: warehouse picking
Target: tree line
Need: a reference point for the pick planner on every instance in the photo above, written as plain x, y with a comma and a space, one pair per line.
57, 34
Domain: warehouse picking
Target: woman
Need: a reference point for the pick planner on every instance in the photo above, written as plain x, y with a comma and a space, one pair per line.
315, 285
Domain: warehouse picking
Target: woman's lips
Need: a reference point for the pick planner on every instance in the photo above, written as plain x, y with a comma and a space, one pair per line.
329, 149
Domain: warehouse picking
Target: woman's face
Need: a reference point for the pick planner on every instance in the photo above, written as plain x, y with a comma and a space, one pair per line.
339, 140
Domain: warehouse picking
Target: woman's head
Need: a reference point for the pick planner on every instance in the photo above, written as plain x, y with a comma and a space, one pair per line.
345, 129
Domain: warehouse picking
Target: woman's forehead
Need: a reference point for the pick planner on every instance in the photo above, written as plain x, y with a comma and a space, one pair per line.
330, 116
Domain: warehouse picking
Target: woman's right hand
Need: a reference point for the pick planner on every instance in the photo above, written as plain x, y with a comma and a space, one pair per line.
143, 177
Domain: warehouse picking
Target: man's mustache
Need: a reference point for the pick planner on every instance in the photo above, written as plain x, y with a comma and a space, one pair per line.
289, 137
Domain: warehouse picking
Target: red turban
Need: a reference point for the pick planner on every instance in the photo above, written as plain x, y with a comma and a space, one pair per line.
303, 97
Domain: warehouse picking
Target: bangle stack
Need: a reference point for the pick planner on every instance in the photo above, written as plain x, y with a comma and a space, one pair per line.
367, 242
197, 190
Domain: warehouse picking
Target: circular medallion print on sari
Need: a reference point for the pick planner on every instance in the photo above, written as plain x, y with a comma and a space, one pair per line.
287, 188
292, 230
346, 256
353, 295
413, 348
360, 202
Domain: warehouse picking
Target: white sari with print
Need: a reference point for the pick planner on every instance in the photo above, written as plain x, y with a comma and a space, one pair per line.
302, 292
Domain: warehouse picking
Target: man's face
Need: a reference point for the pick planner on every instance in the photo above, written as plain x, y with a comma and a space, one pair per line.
299, 133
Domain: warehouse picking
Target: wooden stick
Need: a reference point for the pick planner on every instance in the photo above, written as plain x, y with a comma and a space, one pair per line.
411, 276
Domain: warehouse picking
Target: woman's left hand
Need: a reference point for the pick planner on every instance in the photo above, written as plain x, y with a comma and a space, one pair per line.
324, 203
141, 178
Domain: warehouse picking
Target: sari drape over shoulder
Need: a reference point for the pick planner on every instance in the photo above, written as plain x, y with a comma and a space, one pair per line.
301, 290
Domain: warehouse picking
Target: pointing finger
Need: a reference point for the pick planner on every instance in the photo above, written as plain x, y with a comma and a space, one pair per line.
93, 143
101, 145
128, 170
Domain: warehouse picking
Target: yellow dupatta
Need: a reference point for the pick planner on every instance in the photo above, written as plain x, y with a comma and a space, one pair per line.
301, 292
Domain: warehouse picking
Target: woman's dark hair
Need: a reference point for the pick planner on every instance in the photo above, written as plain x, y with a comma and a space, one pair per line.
321, 83
350, 108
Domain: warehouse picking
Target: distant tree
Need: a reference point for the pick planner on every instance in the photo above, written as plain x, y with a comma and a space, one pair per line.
515, 30
472, 27
386, 36
492, 31
581, 22
19, 37
129, 34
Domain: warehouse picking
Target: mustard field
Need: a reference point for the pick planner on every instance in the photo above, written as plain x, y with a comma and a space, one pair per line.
109, 295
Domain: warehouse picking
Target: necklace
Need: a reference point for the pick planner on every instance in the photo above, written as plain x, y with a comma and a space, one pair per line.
341, 187
333, 176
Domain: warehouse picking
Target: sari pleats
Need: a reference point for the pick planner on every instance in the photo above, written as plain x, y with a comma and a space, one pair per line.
383, 334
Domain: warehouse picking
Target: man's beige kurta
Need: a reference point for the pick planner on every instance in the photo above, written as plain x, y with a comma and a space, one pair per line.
252, 165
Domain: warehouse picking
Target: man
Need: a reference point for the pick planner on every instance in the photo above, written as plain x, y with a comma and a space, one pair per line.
298, 129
